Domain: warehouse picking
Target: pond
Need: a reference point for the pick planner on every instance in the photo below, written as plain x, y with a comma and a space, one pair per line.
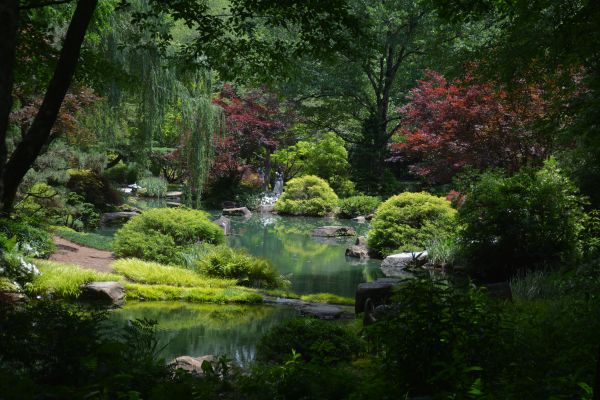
313, 265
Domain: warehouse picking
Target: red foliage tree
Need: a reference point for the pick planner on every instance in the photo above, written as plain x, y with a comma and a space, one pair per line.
257, 123
449, 125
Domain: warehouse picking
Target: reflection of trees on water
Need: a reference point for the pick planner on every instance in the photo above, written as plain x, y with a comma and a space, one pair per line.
316, 264
197, 330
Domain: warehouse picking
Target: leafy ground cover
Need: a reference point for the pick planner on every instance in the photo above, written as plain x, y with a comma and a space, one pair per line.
88, 239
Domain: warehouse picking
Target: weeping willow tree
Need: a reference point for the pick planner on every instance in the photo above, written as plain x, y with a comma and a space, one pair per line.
145, 85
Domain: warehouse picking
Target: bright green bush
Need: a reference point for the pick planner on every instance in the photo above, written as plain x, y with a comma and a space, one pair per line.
161, 234
316, 341
226, 262
354, 206
307, 195
408, 221
524, 222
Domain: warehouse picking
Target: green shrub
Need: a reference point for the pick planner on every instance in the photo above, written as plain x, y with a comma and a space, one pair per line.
157, 274
307, 195
94, 188
316, 341
354, 206
527, 221
408, 221
162, 234
153, 186
226, 262
436, 340
136, 291
122, 173
31, 241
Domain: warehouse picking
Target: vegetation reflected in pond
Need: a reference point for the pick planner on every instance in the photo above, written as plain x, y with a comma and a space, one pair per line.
200, 329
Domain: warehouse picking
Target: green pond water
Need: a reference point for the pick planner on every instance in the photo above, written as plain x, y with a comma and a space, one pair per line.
313, 265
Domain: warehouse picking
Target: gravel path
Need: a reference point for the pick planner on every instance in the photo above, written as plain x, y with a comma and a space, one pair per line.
71, 253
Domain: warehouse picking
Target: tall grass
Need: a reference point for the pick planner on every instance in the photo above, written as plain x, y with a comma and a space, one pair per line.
157, 274
136, 291
64, 280
153, 186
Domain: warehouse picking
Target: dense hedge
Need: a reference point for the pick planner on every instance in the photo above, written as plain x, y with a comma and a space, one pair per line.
408, 221
307, 195
161, 234
354, 206
527, 221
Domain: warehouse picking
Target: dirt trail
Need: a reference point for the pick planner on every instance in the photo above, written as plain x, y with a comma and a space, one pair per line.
86, 257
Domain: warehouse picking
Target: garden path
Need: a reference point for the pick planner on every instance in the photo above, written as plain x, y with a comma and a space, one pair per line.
72, 253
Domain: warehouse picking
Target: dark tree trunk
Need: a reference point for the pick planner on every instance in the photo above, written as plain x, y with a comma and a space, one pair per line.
9, 13
39, 133
114, 161
597, 379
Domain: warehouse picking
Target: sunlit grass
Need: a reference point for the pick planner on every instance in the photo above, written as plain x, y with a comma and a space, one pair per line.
327, 298
157, 274
64, 280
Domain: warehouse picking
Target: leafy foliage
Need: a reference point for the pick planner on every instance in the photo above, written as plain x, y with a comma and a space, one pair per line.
31, 241
307, 195
313, 340
408, 221
358, 205
161, 234
527, 221
449, 125
94, 189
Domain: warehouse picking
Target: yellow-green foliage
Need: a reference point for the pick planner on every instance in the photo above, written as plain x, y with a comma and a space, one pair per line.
134, 291
307, 195
64, 280
408, 221
225, 262
157, 274
327, 298
161, 234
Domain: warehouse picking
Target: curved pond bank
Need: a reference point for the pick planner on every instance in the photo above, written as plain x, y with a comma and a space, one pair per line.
313, 265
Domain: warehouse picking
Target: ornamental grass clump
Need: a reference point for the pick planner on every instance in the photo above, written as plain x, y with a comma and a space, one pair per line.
307, 195
408, 221
162, 234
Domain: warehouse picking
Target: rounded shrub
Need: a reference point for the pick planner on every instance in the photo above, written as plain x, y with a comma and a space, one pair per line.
307, 195
524, 222
226, 262
354, 206
315, 340
162, 234
408, 221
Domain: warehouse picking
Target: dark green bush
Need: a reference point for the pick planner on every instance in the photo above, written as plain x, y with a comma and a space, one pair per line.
354, 206
122, 173
527, 221
162, 234
436, 340
94, 189
226, 262
408, 221
316, 341
307, 195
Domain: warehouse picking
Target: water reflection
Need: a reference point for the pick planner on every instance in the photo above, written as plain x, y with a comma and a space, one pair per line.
200, 329
314, 264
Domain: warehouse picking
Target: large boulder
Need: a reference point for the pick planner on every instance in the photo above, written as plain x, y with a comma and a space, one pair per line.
224, 223
237, 211
321, 311
396, 265
106, 293
359, 249
379, 292
334, 231
194, 364
360, 219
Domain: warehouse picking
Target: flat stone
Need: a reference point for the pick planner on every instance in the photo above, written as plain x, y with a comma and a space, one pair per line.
109, 293
117, 217
334, 231
357, 252
379, 292
395, 265
224, 223
174, 194
239, 211
360, 219
321, 311
369, 217
193, 364
173, 204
